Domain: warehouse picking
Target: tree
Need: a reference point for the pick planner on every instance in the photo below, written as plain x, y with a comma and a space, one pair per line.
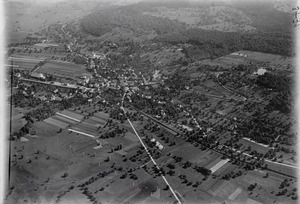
64, 175
166, 188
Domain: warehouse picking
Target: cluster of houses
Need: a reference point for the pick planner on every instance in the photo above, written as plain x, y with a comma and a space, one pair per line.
55, 96
105, 78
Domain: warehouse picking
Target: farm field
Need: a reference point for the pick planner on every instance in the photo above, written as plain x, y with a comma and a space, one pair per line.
64, 69
24, 62
282, 169
72, 115
265, 57
246, 57
39, 53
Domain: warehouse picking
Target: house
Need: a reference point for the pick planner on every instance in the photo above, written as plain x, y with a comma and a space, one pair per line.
42, 98
159, 146
260, 71
53, 98
64, 95
98, 56
38, 76
130, 83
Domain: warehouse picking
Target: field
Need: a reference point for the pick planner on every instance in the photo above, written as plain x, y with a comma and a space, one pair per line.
276, 62
164, 57
64, 69
68, 152
282, 169
260, 148
84, 161
267, 58
24, 62
16, 37
16, 119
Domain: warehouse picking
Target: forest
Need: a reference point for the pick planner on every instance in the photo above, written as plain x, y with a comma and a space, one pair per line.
103, 21
274, 34
283, 86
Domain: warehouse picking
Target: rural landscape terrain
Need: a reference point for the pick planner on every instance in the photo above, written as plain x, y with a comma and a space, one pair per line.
183, 101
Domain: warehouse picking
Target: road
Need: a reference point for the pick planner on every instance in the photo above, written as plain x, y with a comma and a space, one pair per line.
147, 151
72, 43
160, 123
243, 97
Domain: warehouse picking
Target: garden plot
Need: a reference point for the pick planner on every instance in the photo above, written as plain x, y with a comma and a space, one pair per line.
56, 122
218, 165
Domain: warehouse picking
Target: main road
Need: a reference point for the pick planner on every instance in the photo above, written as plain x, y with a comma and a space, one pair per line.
147, 151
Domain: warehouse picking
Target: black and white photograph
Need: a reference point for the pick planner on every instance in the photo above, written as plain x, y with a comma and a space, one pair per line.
149, 101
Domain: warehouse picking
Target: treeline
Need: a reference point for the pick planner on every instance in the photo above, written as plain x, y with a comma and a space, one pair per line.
217, 43
283, 85
273, 81
274, 34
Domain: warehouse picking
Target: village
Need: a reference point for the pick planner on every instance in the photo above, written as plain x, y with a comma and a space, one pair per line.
52, 99
104, 114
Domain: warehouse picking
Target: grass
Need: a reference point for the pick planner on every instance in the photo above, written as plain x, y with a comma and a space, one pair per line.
24, 62
282, 169
56, 122
65, 69
217, 187
64, 119
265, 57
72, 114
86, 129
96, 120
264, 188
45, 129
75, 196
102, 115
254, 146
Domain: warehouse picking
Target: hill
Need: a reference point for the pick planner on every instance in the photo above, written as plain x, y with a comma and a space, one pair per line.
214, 29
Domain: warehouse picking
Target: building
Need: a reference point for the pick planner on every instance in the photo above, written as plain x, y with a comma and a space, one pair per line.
98, 56
260, 71
38, 76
